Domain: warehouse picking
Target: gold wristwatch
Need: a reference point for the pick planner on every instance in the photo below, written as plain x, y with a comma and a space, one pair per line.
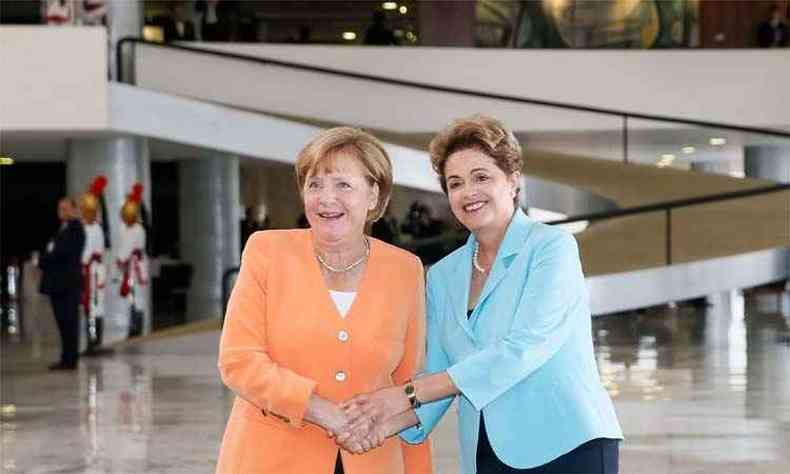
411, 393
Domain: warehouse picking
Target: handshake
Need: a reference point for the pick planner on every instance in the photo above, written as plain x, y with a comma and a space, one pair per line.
365, 421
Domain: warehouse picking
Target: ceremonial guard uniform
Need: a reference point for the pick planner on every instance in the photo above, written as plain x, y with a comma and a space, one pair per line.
131, 259
94, 273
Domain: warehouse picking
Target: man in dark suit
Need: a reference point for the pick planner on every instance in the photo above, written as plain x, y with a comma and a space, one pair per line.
773, 32
62, 281
177, 24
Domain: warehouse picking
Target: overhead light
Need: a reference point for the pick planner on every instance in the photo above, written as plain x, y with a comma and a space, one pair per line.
403, 10
349, 35
718, 141
688, 150
389, 5
6, 160
154, 33
666, 160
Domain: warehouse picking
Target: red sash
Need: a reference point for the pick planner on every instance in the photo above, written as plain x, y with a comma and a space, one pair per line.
87, 284
129, 266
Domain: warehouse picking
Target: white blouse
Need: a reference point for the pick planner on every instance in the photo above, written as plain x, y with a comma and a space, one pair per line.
343, 300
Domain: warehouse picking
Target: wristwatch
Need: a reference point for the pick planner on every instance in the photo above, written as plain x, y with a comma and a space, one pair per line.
411, 393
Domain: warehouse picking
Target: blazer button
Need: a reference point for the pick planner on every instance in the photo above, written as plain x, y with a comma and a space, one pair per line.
340, 376
342, 336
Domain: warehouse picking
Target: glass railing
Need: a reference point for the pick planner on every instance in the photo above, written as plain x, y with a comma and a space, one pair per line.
682, 188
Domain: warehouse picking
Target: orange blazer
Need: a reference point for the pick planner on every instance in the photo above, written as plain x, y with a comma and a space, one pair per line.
283, 339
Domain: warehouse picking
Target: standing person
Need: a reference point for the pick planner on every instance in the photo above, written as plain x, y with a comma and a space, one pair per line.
773, 32
509, 329
378, 33
131, 259
62, 281
318, 315
256, 218
177, 24
94, 272
219, 19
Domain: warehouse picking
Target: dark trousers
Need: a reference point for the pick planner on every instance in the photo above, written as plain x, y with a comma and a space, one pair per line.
66, 309
597, 456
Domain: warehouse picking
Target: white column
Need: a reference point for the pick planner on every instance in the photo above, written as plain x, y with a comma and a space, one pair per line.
771, 162
124, 18
727, 167
124, 161
209, 228
768, 162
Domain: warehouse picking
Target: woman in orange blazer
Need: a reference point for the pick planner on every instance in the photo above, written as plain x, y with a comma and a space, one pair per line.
318, 316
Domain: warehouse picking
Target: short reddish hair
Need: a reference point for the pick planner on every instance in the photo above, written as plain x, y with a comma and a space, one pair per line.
479, 132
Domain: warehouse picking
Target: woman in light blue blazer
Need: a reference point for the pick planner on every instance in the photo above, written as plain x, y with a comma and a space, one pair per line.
509, 330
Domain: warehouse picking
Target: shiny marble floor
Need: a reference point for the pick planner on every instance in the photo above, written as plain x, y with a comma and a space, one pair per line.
697, 390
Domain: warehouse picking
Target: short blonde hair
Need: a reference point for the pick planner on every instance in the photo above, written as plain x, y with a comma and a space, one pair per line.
480, 132
362, 145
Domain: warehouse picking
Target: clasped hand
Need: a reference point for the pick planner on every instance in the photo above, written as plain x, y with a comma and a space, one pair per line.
368, 419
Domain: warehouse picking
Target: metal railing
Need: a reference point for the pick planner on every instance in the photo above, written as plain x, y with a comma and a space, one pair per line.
666, 206
625, 116
669, 206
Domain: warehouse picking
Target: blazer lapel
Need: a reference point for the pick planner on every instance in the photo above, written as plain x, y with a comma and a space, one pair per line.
512, 244
460, 287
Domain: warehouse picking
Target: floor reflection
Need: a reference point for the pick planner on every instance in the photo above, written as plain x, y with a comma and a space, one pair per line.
156, 408
697, 389
705, 385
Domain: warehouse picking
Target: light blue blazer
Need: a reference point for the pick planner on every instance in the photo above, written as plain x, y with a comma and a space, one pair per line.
524, 357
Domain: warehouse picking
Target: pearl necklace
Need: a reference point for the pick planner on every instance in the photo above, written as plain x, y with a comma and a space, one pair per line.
476, 261
347, 267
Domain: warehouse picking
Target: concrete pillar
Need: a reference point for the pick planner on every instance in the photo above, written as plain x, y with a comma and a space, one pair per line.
124, 161
768, 162
124, 18
727, 167
209, 227
771, 162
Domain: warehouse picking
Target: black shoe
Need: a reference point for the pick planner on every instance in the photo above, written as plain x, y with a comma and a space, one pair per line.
63, 366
